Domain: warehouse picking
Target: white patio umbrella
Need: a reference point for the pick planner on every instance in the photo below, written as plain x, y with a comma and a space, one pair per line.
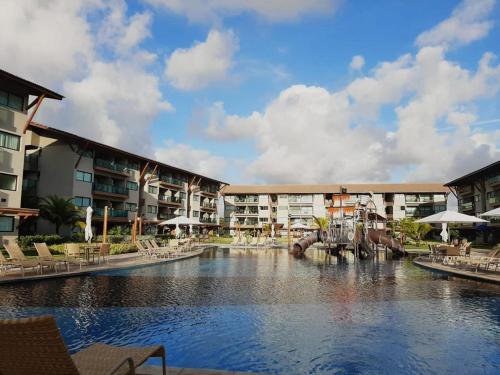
299, 225
88, 225
446, 217
180, 220
492, 213
272, 231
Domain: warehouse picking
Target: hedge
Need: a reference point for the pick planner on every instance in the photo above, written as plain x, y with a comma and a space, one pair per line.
26, 242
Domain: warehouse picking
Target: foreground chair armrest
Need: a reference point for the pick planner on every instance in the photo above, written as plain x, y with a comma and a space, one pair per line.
35, 346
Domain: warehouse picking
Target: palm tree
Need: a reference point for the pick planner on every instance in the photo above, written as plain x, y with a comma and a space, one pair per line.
321, 222
59, 211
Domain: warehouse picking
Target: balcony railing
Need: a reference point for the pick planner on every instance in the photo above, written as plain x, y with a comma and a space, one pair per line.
209, 189
117, 167
112, 189
246, 200
169, 199
494, 200
207, 220
163, 216
111, 212
494, 180
209, 205
468, 206
171, 180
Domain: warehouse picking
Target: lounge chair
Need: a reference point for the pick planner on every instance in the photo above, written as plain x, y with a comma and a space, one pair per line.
452, 255
159, 251
476, 262
104, 249
261, 241
35, 346
143, 250
242, 241
44, 255
6, 264
254, 241
74, 254
18, 257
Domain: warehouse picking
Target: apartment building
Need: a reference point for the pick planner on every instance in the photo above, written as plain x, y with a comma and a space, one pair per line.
252, 206
93, 174
16, 112
478, 191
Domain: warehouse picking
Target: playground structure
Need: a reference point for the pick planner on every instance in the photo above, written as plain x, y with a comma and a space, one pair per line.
363, 233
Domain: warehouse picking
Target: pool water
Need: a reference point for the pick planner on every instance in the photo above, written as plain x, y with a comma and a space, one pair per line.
265, 311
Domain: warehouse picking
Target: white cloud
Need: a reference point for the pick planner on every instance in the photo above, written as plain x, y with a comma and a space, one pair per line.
204, 63
192, 159
357, 62
273, 10
310, 134
89, 51
467, 23
45, 41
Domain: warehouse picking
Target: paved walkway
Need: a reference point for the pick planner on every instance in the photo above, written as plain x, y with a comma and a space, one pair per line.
490, 277
119, 261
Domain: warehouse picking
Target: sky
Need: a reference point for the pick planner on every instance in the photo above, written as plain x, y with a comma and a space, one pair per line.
271, 91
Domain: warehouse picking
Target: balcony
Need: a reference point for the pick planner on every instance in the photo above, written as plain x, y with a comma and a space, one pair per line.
111, 167
495, 180
246, 213
112, 213
467, 206
164, 216
171, 181
244, 201
208, 206
110, 190
167, 199
207, 220
494, 200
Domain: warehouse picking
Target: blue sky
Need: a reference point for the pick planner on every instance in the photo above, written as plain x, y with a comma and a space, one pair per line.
261, 92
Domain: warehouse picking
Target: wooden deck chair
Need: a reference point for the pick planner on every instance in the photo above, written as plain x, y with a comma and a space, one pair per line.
254, 241
6, 264
45, 256
17, 256
41, 339
74, 254
142, 250
104, 250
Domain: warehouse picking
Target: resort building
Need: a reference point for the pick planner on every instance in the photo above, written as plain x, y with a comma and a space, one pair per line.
252, 206
15, 102
478, 191
93, 174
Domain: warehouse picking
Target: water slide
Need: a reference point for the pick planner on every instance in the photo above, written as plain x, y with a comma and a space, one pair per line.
379, 237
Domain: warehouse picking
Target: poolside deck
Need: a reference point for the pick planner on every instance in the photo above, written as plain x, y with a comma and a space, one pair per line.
489, 277
120, 261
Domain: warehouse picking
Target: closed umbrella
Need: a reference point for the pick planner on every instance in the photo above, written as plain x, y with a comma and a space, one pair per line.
272, 231
88, 225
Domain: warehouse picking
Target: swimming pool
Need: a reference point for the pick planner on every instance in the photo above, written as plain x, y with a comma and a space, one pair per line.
266, 311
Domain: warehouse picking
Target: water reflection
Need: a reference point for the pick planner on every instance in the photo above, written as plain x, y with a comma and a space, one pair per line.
263, 310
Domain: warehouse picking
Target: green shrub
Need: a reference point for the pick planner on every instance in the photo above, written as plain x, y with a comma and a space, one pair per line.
116, 248
26, 242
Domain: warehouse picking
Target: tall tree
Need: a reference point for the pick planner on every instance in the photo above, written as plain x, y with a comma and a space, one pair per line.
59, 211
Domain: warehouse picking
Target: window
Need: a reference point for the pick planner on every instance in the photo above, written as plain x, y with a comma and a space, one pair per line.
152, 210
196, 213
9, 141
263, 219
152, 189
8, 182
264, 208
403, 208
81, 201
6, 224
131, 185
196, 198
131, 206
11, 100
83, 176
182, 195
282, 196
182, 212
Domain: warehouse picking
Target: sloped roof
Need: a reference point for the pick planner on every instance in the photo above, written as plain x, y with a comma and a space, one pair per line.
335, 188
10, 80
